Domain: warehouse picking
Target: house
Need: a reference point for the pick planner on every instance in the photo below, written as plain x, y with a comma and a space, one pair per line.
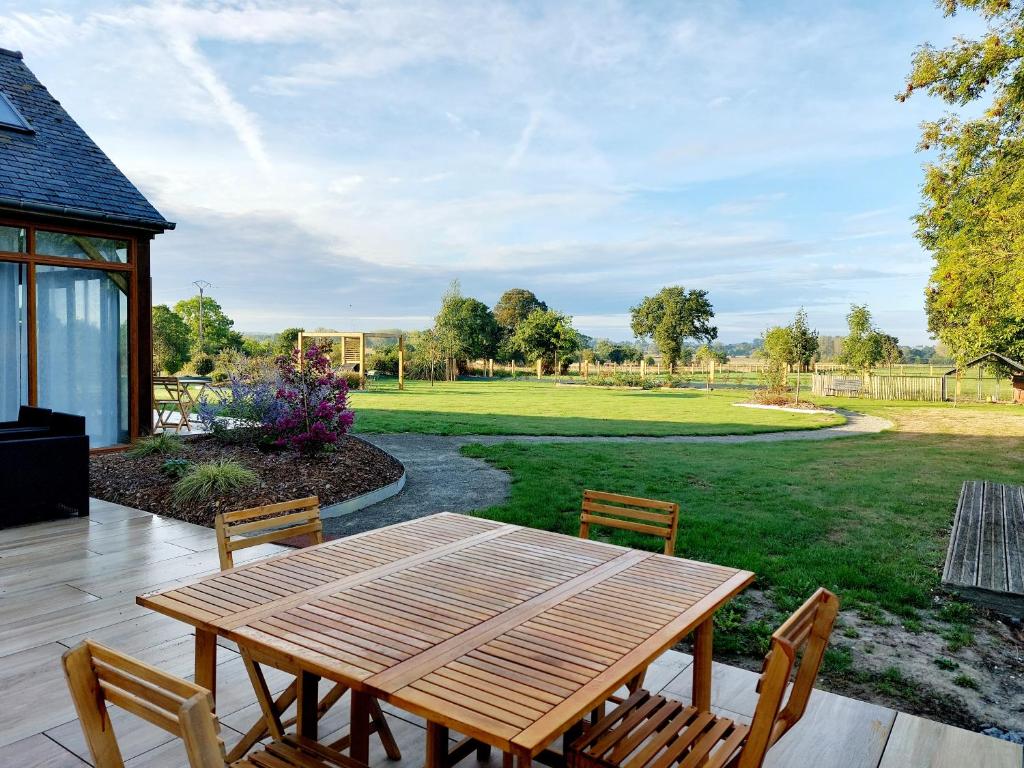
75, 294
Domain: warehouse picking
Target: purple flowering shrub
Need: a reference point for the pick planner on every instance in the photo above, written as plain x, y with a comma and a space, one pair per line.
246, 412
314, 402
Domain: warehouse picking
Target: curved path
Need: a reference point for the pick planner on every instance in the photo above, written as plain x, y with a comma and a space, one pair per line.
439, 477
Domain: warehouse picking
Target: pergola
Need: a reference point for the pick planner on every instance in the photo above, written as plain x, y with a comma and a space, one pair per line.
353, 350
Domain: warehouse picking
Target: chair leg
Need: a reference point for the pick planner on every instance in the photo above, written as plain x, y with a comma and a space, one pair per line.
270, 723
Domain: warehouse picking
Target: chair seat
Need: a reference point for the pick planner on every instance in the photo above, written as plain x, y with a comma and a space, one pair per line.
652, 731
296, 752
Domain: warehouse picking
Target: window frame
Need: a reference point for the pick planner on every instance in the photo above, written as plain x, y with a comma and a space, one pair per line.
31, 259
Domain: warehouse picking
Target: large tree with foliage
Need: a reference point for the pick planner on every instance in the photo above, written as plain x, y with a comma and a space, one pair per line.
673, 315
865, 346
171, 340
548, 336
465, 328
972, 212
514, 306
287, 341
218, 333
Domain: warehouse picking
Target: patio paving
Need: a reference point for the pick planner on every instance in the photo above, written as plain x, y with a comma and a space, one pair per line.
66, 580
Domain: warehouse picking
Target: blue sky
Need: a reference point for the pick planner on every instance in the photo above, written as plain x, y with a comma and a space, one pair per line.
338, 164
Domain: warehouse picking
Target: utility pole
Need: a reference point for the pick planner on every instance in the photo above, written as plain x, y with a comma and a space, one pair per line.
202, 285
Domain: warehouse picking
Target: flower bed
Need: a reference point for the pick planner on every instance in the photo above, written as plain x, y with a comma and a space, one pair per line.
352, 468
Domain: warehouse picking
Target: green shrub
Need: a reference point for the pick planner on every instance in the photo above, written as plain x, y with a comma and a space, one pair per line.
176, 467
947, 664
203, 365
384, 360
215, 477
162, 443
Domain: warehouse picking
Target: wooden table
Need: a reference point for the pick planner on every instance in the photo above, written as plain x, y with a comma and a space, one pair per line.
505, 634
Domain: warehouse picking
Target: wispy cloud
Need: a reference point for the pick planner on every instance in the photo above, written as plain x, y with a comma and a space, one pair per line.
591, 152
523, 144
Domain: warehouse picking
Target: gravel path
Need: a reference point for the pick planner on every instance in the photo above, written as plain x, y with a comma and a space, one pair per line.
439, 478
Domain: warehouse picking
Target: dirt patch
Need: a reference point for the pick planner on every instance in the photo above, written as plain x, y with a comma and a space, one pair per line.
966, 669
355, 467
948, 420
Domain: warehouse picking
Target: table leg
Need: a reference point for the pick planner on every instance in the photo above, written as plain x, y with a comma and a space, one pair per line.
437, 746
307, 714
359, 732
702, 647
206, 660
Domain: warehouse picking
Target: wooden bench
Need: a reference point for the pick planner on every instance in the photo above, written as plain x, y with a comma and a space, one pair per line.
985, 560
845, 386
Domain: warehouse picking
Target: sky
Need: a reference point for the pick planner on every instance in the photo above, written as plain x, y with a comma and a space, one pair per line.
338, 164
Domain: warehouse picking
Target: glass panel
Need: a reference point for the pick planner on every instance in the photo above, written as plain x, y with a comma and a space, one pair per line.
12, 239
13, 341
82, 348
81, 247
9, 116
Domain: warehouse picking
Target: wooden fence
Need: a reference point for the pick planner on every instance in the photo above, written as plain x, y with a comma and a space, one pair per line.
884, 387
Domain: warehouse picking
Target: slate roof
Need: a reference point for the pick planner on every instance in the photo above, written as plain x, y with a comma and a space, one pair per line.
58, 169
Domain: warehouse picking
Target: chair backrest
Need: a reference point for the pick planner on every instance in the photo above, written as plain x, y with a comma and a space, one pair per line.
98, 676
806, 632
170, 385
280, 521
631, 513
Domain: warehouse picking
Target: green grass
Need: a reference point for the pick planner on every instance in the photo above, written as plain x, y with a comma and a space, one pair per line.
867, 517
540, 408
204, 480
162, 443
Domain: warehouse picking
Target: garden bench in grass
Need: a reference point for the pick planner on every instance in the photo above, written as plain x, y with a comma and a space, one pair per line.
985, 560
845, 386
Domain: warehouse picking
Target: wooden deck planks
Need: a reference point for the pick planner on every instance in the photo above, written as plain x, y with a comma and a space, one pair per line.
985, 559
915, 741
33, 676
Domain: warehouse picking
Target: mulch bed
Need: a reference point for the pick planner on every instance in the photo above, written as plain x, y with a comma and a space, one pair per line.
352, 469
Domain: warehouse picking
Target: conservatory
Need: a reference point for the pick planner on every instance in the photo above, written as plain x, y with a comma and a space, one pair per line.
75, 297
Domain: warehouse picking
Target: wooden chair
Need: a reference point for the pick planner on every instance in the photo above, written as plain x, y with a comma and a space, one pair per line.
270, 523
631, 513
277, 522
649, 731
99, 676
170, 396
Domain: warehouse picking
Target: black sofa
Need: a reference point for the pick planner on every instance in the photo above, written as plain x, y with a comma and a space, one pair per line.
44, 467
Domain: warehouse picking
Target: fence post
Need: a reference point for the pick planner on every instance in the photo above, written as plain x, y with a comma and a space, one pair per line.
539, 369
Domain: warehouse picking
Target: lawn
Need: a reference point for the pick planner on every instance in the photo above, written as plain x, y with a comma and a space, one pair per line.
867, 517
502, 407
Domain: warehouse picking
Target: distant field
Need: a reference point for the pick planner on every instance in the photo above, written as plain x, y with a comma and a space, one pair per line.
540, 408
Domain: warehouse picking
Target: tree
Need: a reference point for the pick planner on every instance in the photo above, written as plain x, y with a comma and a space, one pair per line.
707, 355
217, 327
862, 348
171, 342
465, 329
780, 350
671, 316
890, 351
972, 210
514, 306
287, 341
547, 335
805, 344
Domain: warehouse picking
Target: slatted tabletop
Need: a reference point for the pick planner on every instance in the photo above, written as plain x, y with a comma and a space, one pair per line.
503, 633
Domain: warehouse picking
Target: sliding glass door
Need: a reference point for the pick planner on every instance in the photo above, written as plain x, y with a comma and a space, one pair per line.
82, 348
13, 340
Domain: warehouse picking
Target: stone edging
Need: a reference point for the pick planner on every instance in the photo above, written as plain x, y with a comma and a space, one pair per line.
786, 408
356, 503
348, 506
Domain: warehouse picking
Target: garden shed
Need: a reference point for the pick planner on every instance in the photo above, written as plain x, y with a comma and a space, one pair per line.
75, 294
1014, 369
